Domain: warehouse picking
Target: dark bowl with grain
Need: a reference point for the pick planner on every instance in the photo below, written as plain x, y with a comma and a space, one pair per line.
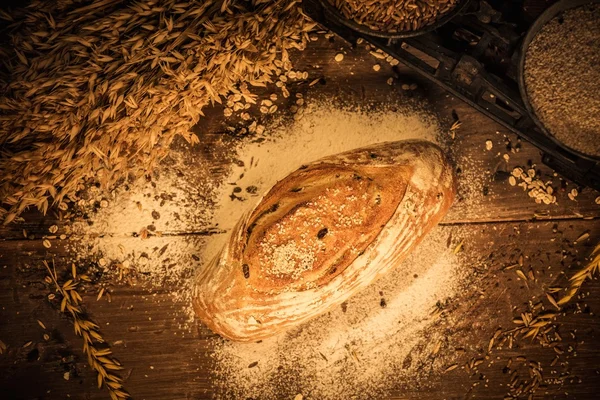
440, 20
559, 75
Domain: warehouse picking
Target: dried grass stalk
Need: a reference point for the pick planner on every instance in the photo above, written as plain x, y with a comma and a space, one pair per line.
98, 90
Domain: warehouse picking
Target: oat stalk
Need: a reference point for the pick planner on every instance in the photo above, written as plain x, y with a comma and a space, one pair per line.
93, 93
95, 347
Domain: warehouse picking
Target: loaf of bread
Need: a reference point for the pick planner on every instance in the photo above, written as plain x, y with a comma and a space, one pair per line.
324, 232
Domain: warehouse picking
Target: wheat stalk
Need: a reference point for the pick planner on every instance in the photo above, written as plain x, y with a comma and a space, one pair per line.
540, 324
575, 282
95, 347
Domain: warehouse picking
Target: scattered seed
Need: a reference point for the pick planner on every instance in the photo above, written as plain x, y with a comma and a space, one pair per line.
378, 54
521, 274
339, 57
459, 247
451, 367
552, 301
46, 243
584, 236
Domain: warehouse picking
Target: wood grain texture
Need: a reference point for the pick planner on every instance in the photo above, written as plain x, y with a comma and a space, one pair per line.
164, 362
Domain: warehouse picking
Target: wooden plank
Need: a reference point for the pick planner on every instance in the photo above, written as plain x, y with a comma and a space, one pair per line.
142, 323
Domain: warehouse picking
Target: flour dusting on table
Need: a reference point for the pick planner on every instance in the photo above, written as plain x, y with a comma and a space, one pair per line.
375, 341
163, 229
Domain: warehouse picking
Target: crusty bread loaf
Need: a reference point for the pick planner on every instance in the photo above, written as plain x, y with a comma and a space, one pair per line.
321, 234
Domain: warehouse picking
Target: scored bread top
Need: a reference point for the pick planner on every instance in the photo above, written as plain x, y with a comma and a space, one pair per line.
314, 223
322, 233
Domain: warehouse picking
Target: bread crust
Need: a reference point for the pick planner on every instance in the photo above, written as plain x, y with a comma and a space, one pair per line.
321, 234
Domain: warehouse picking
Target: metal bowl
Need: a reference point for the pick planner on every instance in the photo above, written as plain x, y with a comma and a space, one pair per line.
544, 18
340, 18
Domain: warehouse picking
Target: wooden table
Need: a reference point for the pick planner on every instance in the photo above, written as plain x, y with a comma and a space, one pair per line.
507, 224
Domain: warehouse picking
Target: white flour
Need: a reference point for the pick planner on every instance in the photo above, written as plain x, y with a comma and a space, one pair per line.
357, 354
350, 354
